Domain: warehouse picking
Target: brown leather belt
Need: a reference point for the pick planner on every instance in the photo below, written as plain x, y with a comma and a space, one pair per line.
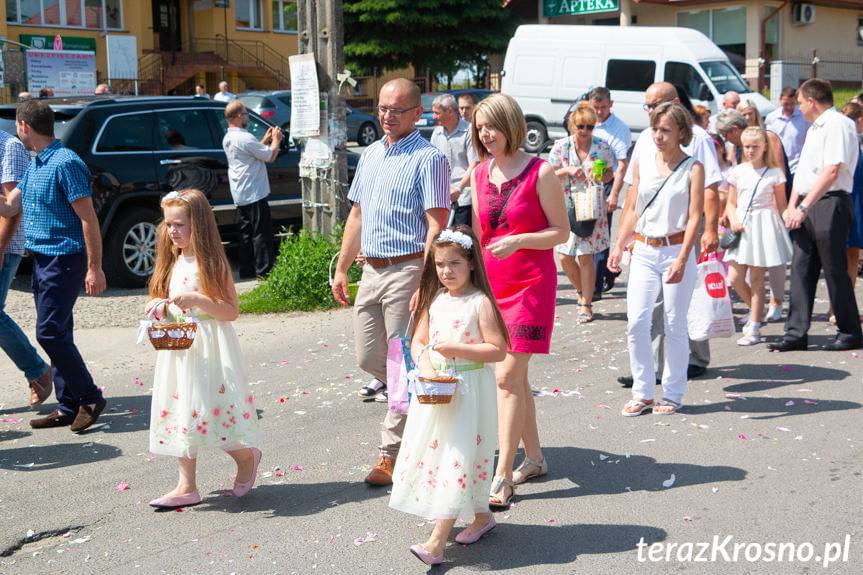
671, 240
379, 263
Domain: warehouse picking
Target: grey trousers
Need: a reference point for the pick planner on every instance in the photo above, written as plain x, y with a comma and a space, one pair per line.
381, 312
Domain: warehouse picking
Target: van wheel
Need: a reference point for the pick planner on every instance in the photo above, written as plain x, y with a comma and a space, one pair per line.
130, 248
536, 137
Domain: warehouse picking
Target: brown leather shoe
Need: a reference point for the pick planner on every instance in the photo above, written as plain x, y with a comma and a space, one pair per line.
382, 474
87, 416
55, 419
40, 388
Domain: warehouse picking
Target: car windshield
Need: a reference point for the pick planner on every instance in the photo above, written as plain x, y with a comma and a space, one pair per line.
257, 127
60, 127
725, 77
255, 101
61, 124
427, 99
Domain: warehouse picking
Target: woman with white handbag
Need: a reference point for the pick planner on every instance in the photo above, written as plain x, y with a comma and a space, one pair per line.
665, 215
583, 163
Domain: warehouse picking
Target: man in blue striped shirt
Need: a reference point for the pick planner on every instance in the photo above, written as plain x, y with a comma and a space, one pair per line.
400, 196
61, 231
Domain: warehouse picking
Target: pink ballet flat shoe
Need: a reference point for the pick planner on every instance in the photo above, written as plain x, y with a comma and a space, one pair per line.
241, 489
425, 556
466, 537
172, 501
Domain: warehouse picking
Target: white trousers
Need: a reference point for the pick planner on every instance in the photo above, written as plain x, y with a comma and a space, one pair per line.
647, 275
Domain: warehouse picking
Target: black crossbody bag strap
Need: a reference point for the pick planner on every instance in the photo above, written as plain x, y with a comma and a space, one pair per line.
662, 185
746, 213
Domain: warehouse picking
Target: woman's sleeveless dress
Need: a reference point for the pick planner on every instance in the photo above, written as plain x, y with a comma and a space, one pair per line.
525, 283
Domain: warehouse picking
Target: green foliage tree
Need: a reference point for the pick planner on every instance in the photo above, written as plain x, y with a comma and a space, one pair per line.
440, 35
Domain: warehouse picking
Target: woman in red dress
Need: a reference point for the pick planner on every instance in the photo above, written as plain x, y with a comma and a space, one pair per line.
520, 216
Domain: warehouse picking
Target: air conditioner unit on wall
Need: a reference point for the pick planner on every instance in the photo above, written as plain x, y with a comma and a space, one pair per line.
802, 14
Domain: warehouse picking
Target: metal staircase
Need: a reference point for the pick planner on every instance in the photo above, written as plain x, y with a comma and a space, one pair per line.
161, 72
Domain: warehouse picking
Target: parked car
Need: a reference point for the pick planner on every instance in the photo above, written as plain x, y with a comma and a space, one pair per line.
138, 149
275, 106
426, 123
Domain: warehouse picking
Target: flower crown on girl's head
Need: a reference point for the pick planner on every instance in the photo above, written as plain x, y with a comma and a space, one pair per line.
174, 196
456, 237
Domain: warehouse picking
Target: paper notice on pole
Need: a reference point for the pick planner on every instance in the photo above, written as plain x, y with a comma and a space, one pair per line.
316, 155
305, 98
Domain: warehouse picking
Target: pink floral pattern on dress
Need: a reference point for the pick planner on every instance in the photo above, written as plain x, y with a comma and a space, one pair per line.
196, 391
445, 464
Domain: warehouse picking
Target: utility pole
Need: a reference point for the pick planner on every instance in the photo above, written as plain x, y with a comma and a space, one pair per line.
325, 190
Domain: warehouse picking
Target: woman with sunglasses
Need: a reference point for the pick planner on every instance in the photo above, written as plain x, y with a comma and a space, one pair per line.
573, 159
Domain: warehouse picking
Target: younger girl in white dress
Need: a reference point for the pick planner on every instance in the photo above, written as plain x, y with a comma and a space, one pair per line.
201, 395
446, 461
756, 198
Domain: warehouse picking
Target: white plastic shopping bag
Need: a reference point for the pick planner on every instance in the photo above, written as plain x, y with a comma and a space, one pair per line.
710, 309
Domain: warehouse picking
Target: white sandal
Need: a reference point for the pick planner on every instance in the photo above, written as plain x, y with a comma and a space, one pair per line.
667, 403
498, 496
644, 406
520, 475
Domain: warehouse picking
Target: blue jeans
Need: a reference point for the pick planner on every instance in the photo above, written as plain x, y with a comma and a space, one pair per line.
12, 339
56, 282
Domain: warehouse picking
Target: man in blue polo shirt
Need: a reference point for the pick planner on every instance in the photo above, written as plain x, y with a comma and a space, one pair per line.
400, 196
62, 233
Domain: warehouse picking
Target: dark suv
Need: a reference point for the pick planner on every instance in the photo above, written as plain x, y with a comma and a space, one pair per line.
139, 148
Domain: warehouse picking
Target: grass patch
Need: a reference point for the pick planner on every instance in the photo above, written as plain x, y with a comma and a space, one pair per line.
299, 281
842, 96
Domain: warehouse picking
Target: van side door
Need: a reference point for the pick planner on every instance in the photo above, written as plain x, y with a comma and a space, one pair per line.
628, 77
686, 76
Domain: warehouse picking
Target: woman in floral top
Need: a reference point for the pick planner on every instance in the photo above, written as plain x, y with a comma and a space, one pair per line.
573, 159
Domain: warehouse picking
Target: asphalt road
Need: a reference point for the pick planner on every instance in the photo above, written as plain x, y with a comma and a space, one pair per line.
766, 452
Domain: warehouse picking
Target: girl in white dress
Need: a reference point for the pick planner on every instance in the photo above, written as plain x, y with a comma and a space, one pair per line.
756, 198
201, 395
446, 461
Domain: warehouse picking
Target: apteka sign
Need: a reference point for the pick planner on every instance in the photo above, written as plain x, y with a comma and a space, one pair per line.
564, 7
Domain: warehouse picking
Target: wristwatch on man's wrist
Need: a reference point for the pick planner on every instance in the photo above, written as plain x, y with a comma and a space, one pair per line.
802, 207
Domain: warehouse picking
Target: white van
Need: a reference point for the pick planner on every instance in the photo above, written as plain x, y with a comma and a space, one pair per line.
547, 67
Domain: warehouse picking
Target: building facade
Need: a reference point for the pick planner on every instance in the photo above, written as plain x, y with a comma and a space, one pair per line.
178, 43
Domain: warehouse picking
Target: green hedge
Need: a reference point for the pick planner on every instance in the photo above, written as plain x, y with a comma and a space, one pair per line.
299, 280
